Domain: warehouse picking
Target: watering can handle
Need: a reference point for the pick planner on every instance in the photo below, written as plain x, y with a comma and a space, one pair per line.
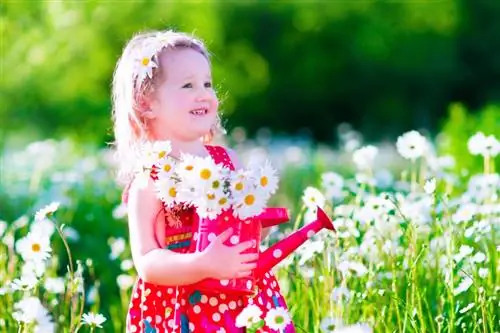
273, 216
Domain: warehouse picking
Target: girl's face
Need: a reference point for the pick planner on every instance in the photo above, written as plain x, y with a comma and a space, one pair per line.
184, 105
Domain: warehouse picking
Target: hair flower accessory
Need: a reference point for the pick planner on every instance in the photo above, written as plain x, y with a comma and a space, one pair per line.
145, 61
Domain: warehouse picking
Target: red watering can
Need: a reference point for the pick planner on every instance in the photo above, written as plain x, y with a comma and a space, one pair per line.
205, 230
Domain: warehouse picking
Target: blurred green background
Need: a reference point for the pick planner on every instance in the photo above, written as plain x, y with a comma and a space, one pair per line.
297, 67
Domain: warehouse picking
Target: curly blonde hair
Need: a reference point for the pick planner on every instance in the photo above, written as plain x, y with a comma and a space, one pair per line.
130, 127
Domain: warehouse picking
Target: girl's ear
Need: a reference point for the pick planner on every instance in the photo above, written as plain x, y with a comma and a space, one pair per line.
145, 107
148, 114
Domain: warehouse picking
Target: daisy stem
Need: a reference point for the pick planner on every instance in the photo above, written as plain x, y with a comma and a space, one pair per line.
413, 175
486, 161
70, 259
422, 172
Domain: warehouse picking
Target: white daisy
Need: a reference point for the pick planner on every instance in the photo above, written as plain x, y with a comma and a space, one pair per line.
30, 310
249, 316
166, 167
117, 247
167, 190
46, 211
312, 198
267, 178
206, 174
467, 308
43, 227
464, 251
186, 167
340, 294
208, 204
240, 184
332, 183
154, 152
356, 328
476, 143
34, 247
25, 283
491, 146
277, 318
430, 186
483, 273
34, 267
55, 285
412, 145
71, 234
364, 157
463, 286
145, 62
126, 265
124, 281
93, 320
251, 204
329, 324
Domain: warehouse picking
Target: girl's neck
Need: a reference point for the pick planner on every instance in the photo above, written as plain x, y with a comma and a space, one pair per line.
196, 148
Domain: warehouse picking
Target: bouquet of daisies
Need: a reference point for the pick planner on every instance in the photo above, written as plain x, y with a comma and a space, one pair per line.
211, 188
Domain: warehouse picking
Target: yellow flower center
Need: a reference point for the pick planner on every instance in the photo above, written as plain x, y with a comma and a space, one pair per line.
36, 247
145, 61
189, 167
249, 199
222, 201
205, 174
162, 154
238, 186
264, 181
211, 196
215, 184
172, 192
167, 167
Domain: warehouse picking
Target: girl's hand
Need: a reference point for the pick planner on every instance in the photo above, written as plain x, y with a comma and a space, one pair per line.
227, 262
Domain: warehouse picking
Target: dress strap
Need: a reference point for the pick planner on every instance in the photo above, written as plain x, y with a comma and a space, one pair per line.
220, 156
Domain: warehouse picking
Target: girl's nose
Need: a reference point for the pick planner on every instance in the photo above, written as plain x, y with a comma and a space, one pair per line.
204, 94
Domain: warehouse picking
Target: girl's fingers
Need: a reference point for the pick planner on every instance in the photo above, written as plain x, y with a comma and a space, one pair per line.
247, 257
224, 236
244, 246
243, 274
248, 267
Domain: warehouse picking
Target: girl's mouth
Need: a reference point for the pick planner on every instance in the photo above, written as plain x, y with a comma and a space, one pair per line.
199, 112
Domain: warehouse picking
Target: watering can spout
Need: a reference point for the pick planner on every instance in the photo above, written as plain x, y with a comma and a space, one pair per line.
279, 251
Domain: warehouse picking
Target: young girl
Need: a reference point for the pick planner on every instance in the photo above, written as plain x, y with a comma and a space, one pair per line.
162, 90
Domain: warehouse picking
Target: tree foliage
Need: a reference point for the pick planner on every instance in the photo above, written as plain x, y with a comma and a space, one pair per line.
382, 66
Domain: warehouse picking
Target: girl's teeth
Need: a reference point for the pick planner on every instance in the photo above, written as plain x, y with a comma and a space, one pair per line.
198, 112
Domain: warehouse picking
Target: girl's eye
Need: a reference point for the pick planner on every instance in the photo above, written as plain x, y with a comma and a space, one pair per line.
187, 85
208, 84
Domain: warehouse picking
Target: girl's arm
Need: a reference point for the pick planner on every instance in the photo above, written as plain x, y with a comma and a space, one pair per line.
153, 263
164, 267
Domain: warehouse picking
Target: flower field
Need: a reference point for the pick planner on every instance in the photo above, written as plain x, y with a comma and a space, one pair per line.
416, 247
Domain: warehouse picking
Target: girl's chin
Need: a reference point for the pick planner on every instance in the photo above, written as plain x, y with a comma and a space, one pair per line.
199, 131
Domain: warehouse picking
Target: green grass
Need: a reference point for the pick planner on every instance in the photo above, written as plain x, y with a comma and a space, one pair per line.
395, 257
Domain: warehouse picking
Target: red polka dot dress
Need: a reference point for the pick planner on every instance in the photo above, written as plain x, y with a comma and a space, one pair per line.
176, 309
